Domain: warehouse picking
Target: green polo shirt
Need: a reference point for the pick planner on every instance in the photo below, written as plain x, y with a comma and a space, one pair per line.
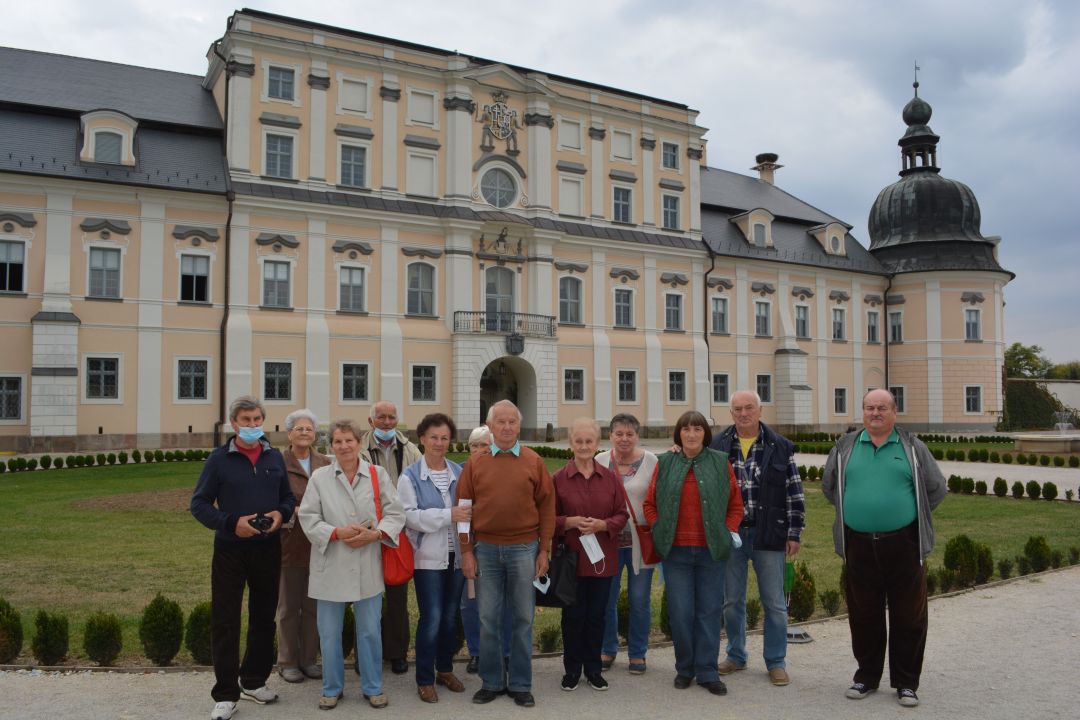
879, 495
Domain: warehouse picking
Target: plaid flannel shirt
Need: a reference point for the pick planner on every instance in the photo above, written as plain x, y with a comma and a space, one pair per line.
748, 473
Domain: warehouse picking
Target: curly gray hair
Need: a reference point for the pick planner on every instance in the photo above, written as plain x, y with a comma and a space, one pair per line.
302, 414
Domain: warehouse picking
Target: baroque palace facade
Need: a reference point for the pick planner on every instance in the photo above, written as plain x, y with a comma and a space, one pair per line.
328, 218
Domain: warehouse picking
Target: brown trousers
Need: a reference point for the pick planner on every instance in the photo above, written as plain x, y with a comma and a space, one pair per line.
298, 634
395, 622
884, 573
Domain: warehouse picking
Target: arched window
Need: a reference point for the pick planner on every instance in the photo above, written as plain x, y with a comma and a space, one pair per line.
108, 147
421, 289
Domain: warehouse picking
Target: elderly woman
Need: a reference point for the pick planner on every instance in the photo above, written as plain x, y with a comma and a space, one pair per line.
340, 518
589, 501
634, 466
298, 635
694, 506
427, 490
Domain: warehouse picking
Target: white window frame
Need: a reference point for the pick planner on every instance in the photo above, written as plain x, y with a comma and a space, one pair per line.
768, 319
292, 399
120, 271
367, 82
291, 262
584, 385
712, 315
618, 398
844, 390
281, 132
615, 307
889, 326
84, 398
981, 403
209, 276
410, 91
843, 323
686, 386
808, 334
901, 406
978, 324
727, 388
682, 310
342, 400
366, 281
209, 399
577, 181
877, 315
580, 148
355, 144
434, 289
97, 133
427, 155
764, 234
664, 197
663, 145
25, 243
630, 205
580, 300
772, 387
23, 388
413, 400
632, 159
298, 78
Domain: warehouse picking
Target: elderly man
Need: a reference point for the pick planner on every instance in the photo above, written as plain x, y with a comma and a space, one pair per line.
243, 494
513, 519
884, 483
774, 515
390, 449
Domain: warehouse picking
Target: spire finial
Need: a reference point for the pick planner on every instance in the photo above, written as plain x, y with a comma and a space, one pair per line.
916, 83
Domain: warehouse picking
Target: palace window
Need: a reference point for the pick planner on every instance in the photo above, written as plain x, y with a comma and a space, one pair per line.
669, 156
421, 289
276, 284
764, 388
352, 289
570, 300
673, 312
802, 321
353, 166
12, 266
840, 401
719, 315
624, 307
720, 387
277, 381
671, 212
102, 378
108, 147
896, 327
279, 156
423, 383
972, 399
498, 188
873, 330
762, 320
838, 324
104, 272
281, 83
11, 398
191, 379
573, 385
627, 386
354, 382
677, 386
621, 205
194, 278
972, 324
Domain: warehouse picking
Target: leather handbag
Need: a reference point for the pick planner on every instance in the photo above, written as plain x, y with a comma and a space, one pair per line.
649, 556
397, 561
562, 574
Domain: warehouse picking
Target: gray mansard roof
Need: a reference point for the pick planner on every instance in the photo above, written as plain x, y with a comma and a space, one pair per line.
725, 195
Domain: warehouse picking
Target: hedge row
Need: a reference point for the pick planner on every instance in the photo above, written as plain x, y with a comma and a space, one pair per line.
968, 486
971, 455
46, 462
968, 563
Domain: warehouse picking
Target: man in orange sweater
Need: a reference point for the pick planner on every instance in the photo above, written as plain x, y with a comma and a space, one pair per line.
513, 519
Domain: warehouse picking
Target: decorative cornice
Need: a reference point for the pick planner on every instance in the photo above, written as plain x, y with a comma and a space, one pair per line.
674, 279
648, 144
459, 103
573, 267
672, 185
421, 141
92, 224
56, 317
894, 299
183, 232
277, 239
972, 297
391, 94
571, 167
356, 131
628, 273
540, 259
539, 119
354, 246
459, 251
872, 300
318, 82
279, 120
792, 351
839, 295
597, 133
433, 253
802, 292
54, 371
489, 157
234, 67
694, 153
762, 287
721, 282
623, 176
25, 220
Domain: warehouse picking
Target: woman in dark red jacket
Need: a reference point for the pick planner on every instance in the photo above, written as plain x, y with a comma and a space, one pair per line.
589, 500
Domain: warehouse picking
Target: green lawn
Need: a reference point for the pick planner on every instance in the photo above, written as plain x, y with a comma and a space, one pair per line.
82, 540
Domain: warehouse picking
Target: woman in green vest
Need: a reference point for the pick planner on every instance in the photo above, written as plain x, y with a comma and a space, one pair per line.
694, 507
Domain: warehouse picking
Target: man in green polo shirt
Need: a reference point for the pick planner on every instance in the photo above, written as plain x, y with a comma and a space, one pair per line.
884, 483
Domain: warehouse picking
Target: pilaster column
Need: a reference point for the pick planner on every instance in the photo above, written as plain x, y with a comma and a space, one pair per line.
648, 186
460, 108
317, 333
319, 82
538, 123
242, 68
596, 171
390, 92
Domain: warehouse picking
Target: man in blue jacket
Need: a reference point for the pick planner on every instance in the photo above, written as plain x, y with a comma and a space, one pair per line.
244, 496
773, 520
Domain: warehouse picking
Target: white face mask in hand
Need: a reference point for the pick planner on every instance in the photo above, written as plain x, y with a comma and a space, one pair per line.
542, 584
736, 541
592, 548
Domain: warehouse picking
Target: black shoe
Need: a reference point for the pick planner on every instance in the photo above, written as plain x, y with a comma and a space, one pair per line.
399, 667
716, 687
523, 698
474, 665
682, 682
570, 682
597, 681
484, 696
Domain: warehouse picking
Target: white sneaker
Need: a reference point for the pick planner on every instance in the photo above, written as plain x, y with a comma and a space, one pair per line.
223, 711
262, 695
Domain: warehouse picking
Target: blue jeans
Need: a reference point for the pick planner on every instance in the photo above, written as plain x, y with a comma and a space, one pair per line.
506, 575
695, 584
769, 569
438, 594
639, 589
470, 622
331, 619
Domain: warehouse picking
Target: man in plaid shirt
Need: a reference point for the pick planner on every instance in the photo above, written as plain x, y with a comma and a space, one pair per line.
774, 516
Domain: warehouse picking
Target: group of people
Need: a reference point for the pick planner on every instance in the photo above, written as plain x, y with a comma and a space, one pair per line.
305, 533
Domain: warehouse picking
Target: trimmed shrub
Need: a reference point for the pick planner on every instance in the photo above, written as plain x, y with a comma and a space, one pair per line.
950, 454
994, 457
953, 483
1037, 552
945, 579
973, 455
1006, 458
111, 458
31, 464
1049, 491
1021, 459
136, 456
197, 634
1001, 488
1023, 566
961, 559
169, 456
931, 582
88, 460
1074, 555
46, 462
1034, 490
984, 455
3, 468
1069, 495
622, 611
148, 456
159, 456
58, 463
1057, 558
161, 630
1005, 566
1059, 461
13, 465
967, 486
803, 593
1044, 460
1018, 489
50, 645
548, 638
984, 563
122, 457
11, 633
1074, 461
830, 601
937, 453
1031, 459
753, 613
102, 638
980, 487
101, 459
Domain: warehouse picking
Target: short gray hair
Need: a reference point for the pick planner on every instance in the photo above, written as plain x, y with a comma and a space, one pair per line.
245, 402
302, 414
481, 433
503, 403
751, 393
377, 403
584, 422
347, 425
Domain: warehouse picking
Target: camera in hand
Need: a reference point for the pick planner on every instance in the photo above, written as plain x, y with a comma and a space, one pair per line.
262, 523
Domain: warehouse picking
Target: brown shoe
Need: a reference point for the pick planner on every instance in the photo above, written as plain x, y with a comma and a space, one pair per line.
449, 681
778, 676
727, 667
427, 693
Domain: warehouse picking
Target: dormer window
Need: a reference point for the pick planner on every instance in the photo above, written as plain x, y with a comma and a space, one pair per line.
108, 136
756, 227
108, 147
759, 234
831, 237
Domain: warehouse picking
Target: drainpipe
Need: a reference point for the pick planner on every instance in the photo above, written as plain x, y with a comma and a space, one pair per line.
885, 304
705, 315
230, 196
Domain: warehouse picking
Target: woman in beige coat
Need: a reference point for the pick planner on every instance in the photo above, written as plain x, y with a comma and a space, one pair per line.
339, 518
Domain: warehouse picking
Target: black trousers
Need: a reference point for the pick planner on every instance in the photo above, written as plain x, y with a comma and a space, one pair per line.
395, 623
583, 626
884, 574
256, 565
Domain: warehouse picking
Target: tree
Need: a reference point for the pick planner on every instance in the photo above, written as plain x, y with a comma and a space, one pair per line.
1026, 361
1065, 371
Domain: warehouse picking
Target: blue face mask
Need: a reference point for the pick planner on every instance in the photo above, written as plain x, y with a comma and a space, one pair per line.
385, 435
250, 435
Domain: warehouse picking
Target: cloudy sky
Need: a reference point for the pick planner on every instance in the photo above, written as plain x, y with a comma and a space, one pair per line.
821, 82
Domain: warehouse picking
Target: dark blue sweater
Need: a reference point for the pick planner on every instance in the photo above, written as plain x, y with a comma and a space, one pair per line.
238, 488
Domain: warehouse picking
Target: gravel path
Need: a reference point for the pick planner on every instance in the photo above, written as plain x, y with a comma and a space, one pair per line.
1004, 651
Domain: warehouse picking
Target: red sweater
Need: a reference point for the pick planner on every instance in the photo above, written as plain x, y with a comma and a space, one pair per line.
690, 528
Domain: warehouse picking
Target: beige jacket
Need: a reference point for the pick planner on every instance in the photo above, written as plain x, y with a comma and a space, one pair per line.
636, 489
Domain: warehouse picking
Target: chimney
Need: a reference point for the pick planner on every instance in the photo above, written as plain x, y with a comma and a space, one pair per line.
766, 166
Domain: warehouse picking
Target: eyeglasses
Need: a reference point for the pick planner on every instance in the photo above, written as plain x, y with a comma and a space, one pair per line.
479, 445
302, 430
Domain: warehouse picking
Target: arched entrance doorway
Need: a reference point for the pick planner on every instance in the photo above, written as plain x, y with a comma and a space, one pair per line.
509, 378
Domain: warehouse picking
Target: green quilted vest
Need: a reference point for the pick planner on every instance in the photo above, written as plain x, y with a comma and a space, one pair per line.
711, 471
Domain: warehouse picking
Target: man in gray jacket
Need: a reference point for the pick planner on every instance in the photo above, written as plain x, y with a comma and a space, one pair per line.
884, 483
